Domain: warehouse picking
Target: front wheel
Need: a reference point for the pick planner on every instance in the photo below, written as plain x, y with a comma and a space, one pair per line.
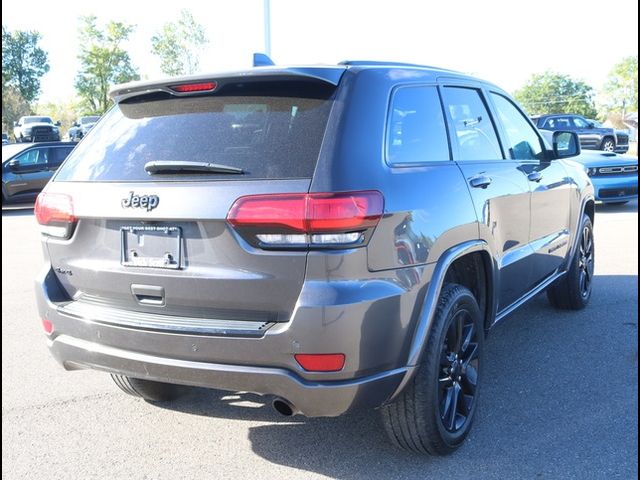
573, 291
608, 145
435, 411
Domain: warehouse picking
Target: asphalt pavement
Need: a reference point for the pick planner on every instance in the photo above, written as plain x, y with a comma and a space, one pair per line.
560, 398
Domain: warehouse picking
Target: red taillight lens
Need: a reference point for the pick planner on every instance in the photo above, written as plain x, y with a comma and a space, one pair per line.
194, 87
47, 325
308, 213
321, 362
54, 212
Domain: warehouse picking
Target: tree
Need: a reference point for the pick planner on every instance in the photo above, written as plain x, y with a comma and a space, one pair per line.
14, 106
556, 93
104, 63
23, 62
64, 112
178, 45
620, 92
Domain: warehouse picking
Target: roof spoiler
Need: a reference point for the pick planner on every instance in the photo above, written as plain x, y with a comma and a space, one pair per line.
262, 60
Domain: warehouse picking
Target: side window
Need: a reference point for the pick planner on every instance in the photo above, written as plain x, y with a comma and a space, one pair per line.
522, 140
57, 155
416, 128
580, 123
33, 158
475, 132
559, 123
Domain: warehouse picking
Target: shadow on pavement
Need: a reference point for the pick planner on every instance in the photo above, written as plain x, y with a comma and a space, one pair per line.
630, 207
559, 400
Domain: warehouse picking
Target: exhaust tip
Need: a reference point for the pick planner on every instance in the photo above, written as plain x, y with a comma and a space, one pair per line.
284, 407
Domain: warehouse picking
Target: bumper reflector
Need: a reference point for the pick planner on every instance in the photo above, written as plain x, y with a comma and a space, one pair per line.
47, 325
321, 362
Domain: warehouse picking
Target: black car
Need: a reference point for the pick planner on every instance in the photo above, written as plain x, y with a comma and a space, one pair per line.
591, 136
26, 168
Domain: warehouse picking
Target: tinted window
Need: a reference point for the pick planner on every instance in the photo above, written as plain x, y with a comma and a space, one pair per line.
476, 135
580, 123
38, 120
558, 123
522, 140
58, 154
270, 130
417, 132
33, 157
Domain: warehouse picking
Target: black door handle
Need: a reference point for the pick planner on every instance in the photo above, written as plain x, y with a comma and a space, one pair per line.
481, 181
535, 176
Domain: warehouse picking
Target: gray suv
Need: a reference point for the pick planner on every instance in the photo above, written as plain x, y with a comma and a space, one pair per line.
336, 237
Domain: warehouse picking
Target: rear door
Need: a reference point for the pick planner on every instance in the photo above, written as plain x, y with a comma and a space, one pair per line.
498, 186
549, 184
160, 242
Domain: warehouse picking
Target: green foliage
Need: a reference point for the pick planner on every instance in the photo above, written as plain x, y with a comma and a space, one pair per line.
620, 92
14, 106
556, 93
23, 62
178, 45
104, 63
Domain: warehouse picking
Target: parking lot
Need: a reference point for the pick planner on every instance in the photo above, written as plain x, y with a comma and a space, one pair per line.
560, 398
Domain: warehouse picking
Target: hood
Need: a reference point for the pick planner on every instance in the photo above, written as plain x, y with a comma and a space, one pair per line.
595, 158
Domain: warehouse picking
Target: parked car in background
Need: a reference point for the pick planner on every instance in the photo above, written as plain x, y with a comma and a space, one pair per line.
591, 137
340, 237
622, 137
5, 139
36, 129
614, 177
26, 168
81, 127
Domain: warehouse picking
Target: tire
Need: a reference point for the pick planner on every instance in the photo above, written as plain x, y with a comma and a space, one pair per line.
573, 291
149, 390
419, 420
608, 144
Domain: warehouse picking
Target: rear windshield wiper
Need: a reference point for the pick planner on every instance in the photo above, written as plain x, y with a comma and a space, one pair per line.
170, 166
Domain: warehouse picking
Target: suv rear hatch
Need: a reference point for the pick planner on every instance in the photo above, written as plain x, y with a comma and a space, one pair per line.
136, 217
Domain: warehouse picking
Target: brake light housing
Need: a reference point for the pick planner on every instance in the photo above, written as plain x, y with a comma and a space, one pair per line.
302, 220
321, 362
195, 87
54, 213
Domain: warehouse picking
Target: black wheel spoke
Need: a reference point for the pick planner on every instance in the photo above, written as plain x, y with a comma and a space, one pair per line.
470, 354
452, 412
470, 381
468, 333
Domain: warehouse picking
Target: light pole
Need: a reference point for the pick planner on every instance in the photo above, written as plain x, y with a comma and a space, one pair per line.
267, 27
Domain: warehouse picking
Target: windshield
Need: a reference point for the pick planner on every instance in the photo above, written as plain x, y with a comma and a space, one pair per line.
273, 130
38, 120
85, 120
9, 151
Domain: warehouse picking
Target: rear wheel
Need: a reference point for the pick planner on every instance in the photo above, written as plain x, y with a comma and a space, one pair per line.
573, 291
149, 390
435, 411
608, 145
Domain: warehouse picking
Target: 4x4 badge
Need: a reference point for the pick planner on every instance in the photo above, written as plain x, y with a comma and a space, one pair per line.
149, 202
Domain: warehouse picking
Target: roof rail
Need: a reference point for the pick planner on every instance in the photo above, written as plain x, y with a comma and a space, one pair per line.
390, 64
262, 60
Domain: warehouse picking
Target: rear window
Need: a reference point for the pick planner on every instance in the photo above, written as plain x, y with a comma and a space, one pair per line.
270, 130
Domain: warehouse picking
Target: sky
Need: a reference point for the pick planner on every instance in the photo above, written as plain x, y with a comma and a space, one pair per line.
501, 41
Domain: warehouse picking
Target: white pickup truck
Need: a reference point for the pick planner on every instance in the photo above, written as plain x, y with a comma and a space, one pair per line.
36, 129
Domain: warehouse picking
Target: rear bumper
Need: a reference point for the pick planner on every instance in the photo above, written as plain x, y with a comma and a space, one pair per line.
615, 188
361, 319
312, 399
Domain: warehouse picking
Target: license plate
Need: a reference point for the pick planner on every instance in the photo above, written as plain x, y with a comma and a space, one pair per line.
151, 246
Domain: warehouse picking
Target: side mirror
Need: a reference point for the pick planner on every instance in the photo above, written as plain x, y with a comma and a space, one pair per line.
14, 165
565, 144
58, 123
591, 125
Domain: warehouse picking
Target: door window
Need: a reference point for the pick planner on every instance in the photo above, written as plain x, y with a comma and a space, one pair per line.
57, 156
558, 123
580, 123
522, 142
33, 158
475, 132
416, 131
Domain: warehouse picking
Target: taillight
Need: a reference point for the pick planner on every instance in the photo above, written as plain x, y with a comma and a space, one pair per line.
54, 213
307, 219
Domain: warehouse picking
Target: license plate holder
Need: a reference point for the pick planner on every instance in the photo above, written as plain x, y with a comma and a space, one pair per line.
151, 246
